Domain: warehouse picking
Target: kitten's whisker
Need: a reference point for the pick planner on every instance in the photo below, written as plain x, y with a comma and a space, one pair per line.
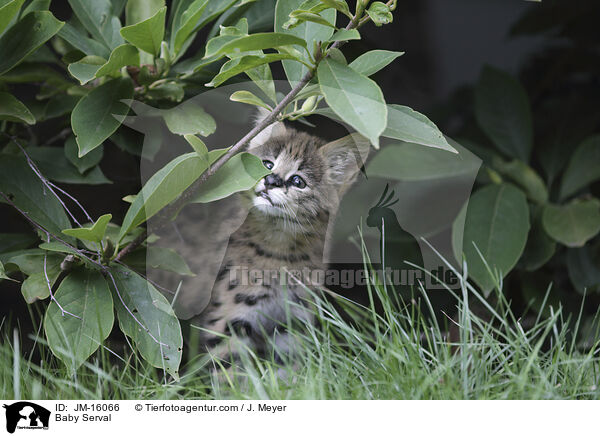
299, 225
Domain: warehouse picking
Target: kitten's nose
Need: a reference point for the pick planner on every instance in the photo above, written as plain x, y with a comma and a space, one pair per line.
273, 181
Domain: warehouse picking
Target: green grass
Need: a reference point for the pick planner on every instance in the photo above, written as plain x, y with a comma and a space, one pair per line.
396, 352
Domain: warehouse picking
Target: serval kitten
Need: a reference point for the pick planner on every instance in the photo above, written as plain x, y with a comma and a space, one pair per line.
285, 231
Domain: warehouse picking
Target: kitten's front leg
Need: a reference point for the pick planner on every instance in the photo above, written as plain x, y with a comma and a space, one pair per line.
226, 339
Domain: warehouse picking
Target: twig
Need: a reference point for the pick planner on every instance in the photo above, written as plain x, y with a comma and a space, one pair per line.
153, 283
52, 298
105, 269
131, 246
48, 184
48, 234
87, 215
43, 179
146, 329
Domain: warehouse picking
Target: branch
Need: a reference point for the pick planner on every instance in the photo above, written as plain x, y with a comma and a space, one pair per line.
105, 270
131, 246
37, 226
164, 216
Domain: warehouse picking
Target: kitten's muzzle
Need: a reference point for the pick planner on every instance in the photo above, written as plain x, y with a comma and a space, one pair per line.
273, 181
264, 195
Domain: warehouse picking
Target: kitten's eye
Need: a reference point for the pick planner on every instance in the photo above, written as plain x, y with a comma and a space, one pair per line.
297, 181
268, 164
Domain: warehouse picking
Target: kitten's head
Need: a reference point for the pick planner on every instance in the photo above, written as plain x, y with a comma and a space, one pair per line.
308, 176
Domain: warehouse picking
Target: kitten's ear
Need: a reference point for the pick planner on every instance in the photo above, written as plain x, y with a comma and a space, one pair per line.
344, 158
275, 129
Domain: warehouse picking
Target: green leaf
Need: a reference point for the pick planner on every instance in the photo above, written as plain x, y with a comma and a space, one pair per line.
93, 119
314, 6
213, 9
31, 72
345, 35
215, 44
335, 54
339, 5
26, 36
16, 241
189, 118
86, 162
299, 16
59, 247
3, 275
239, 173
372, 61
97, 17
25, 189
584, 270
8, 11
162, 188
95, 233
122, 56
583, 168
36, 5
497, 222
199, 146
563, 133
112, 233
85, 294
524, 176
80, 41
43, 54
35, 287
256, 41
194, 64
307, 31
573, 224
12, 109
30, 261
458, 232
355, 98
240, 28
540, 247
248, 98
408, 125
239, 65
85, 69
159, 258
412, 162
503, 112
189, 20
148, 34
55, 166
171, 91
380, 13
72, 55
158, 338
261, 74
57, 106
140, 10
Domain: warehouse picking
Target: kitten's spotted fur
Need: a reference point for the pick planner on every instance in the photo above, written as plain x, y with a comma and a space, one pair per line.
286, 228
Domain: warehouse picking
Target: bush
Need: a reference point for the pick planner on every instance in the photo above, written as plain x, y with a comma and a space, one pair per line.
534, 217
89, 71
